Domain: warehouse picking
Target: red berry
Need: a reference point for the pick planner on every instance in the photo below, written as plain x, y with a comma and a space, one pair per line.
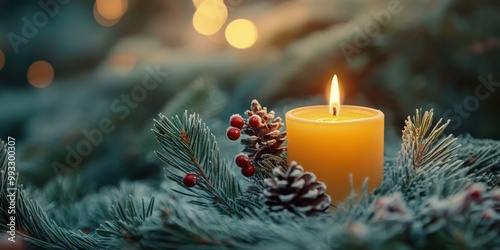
242, 160
248, 170
475, 192
233, 133
190, 180
476, 195
236, 121
254, 121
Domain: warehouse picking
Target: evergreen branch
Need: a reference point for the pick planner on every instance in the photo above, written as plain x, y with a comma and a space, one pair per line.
185, 227
187, 142
190, 147
421, 140
38, 228
481, 158
33, 223
422, 151
125, 219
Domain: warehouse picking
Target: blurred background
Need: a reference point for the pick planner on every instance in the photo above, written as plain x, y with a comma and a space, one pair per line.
81, 81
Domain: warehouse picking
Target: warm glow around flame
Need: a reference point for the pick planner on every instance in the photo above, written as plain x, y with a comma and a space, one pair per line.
334, 97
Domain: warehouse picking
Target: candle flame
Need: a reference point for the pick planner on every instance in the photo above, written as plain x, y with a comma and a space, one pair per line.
334, 97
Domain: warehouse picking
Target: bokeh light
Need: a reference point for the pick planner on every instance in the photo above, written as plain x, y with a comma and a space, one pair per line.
40, 74
241, 33
111, 9
122, 64
209, 17
2, 59
103, 21
109, 13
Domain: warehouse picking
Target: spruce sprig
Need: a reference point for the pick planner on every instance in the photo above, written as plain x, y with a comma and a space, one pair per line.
33, 224
190, 147
422, 140
126, 217
423, 153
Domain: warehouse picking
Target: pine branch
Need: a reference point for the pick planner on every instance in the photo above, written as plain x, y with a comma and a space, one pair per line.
186, 227
182, 227
190, 147
33, 224
424, 162
126, 217
481, 158
422, 141
193, 159
466, 219
37, 227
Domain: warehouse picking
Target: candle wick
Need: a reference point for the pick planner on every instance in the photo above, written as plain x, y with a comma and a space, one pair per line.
334, 111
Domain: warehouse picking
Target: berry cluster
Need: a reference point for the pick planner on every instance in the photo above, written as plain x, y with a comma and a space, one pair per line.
243, 161
264, 136
236, 123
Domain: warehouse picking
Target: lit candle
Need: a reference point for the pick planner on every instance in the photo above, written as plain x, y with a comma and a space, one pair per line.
335, 141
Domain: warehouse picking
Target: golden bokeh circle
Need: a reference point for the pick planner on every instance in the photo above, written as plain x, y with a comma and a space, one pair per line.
210, 17
241, 33
40, 74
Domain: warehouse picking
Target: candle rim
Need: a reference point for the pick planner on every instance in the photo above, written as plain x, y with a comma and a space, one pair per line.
377, 114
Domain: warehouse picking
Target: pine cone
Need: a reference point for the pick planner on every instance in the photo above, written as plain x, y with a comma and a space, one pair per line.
295, 190
266, 138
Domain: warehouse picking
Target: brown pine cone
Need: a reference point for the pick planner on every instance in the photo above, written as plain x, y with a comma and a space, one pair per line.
295, 191
265, 136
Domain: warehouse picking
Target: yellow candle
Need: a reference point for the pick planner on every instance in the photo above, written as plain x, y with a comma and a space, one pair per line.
335, 141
